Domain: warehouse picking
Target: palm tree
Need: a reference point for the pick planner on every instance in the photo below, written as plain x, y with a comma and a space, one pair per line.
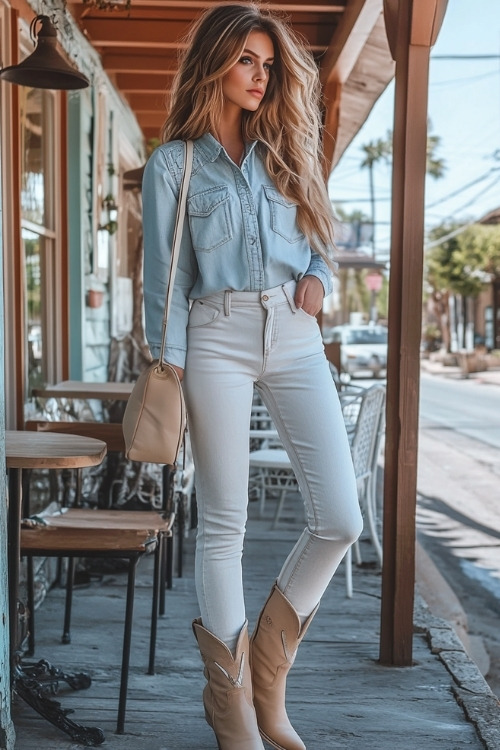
434, 167
375, 151
381, 150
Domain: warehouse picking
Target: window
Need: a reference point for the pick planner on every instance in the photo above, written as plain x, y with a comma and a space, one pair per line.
37, 118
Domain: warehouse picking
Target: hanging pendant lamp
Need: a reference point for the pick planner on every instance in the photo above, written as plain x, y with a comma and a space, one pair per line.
45, 68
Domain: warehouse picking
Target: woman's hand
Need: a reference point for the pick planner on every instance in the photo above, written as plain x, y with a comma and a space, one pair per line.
309, 295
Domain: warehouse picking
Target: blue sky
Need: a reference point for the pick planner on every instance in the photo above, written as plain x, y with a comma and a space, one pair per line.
464, 111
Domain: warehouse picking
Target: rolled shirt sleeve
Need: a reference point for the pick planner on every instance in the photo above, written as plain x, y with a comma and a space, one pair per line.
160, 192
318, 268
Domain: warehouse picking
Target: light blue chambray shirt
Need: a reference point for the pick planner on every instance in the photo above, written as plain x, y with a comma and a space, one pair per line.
239, 233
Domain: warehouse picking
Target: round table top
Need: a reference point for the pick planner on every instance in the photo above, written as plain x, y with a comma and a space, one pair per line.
86, 390
47, 450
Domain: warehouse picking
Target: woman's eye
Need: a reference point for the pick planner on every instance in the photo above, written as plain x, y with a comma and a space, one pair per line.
268, 66
246, 60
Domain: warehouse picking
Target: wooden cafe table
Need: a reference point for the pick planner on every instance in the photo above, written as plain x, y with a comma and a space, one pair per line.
29, 450
86, 390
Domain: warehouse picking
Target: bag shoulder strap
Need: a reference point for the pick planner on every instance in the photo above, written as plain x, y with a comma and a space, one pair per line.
176, 242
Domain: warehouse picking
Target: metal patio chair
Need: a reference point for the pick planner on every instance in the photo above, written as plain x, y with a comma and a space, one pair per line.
364, 414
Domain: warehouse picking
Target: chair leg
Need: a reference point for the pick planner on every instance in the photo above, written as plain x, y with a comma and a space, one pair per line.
357, 553
163, 576
155, 603
78, 503
30, 582
127, 638
371, 515
262, 502
279, 508
181, 525
169, 566
348, 573
70, 577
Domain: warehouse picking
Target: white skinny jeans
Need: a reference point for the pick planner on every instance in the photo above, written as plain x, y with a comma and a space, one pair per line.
237, 340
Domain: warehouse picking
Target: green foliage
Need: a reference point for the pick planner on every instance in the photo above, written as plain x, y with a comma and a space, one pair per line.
492, 240
462, 264
435, 167
438, 259
381, 150
383, 299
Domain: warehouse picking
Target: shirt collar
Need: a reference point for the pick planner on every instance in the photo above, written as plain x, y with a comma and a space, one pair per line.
211, 147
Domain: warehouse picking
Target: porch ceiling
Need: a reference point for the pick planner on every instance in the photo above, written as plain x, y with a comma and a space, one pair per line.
139, 50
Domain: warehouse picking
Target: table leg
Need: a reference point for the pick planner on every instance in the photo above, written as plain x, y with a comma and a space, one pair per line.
34, 683
14, 531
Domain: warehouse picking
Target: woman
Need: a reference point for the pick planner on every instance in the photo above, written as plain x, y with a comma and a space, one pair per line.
253, 269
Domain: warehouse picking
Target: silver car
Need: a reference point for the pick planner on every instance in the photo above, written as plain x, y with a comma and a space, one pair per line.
363, 349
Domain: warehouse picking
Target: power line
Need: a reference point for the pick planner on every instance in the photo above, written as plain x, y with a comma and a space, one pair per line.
465, 187
385, 199
478, 195
459, 230
465, 79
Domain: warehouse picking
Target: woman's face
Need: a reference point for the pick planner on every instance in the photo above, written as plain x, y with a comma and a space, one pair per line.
245, 83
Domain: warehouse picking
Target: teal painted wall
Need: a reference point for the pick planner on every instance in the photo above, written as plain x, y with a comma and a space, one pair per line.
7, 735
76, 185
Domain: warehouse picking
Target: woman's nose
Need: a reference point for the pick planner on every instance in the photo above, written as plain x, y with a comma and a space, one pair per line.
260, 73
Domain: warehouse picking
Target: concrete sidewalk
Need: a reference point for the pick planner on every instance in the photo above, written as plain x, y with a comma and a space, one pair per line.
436, 367
338, 694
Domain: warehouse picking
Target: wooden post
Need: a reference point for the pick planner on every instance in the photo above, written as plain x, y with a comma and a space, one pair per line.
412, 27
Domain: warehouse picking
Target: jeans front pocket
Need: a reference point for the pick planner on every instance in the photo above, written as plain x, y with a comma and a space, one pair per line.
202, 314
210, 219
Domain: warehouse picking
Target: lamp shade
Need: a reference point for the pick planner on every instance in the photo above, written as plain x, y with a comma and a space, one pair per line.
45, 68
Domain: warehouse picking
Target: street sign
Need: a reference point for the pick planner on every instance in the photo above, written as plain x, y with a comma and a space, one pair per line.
373, 281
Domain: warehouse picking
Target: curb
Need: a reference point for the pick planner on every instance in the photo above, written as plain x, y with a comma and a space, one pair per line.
487, 377
471, 691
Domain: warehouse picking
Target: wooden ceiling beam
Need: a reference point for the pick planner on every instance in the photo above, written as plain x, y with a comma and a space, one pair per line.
141, 102
155, 33
152, 119
349, 39
135, 82
197, 5
113, 31
129, 62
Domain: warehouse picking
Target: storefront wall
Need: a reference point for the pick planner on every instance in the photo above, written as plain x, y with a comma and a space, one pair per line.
62, 159
65, 156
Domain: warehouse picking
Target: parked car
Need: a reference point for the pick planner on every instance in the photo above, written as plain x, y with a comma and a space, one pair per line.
363, 349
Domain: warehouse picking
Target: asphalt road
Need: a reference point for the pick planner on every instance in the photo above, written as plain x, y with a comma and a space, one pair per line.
458, 515
467, 407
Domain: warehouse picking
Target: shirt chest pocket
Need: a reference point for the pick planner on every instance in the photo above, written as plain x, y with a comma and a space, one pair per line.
210, 219
283, 215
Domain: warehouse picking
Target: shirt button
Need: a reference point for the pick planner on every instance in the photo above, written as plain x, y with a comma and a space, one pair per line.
265, 297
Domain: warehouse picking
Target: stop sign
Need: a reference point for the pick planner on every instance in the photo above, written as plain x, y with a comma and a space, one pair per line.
373, 281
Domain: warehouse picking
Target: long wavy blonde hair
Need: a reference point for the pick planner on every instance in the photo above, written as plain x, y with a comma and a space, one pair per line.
287, 123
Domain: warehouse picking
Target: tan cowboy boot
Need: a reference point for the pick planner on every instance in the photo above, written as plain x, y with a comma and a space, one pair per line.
272, 649
227, 696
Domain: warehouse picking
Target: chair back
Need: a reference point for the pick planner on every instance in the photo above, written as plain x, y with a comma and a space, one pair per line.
368, 430
350, 403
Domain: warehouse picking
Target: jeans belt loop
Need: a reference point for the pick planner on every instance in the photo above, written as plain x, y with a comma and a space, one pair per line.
289, 298
227, 302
